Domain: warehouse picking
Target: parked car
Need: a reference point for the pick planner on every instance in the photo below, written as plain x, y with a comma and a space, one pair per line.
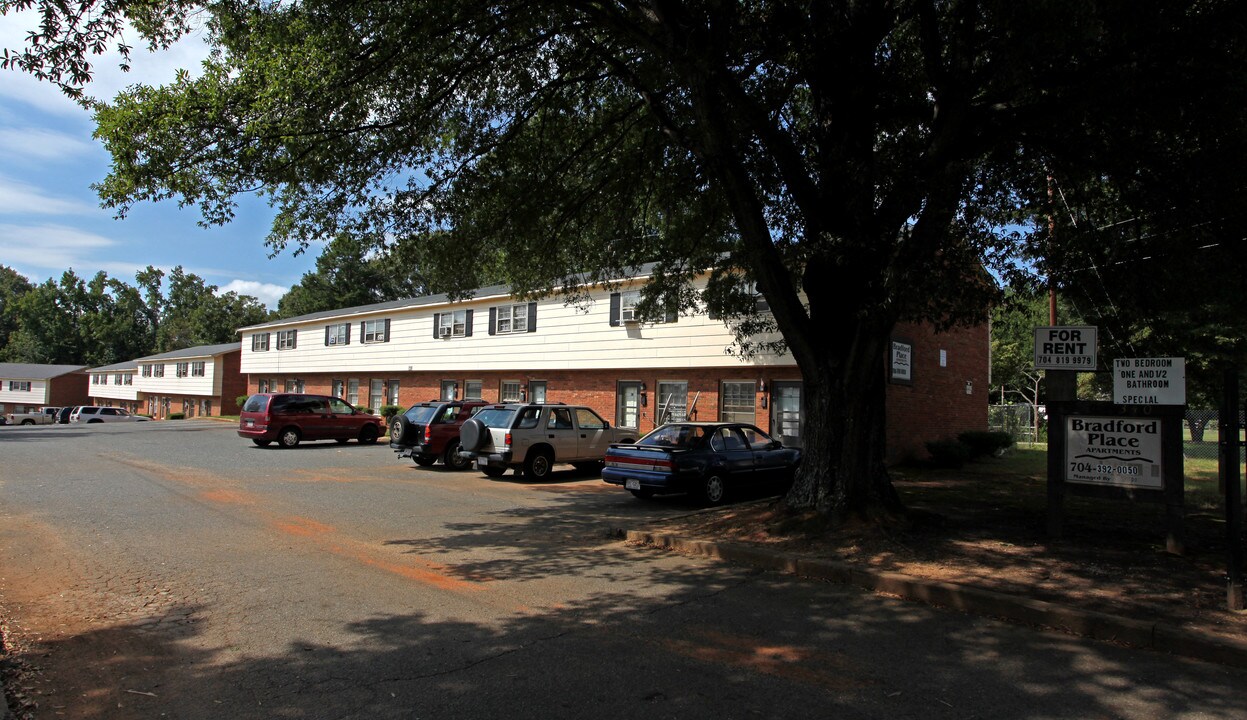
62, 416
43, 416
708, 459
290, 418
429, 431
95, 414
535, 437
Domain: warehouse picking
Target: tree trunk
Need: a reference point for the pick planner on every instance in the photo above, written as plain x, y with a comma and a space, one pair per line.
842, 473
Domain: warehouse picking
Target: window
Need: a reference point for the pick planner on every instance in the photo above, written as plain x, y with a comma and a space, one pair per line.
589, 420
391, 392
457, 323
506, 319
205, 408
339, 334
339, 389
727, 439
449, 387
737, 402
472, 390
560, 419
158, 370
376, 394
352, 391
624, 309
95, 379
672, 401
338, 407
129, 378
537, 391
197, 368
183, 369
259, 342
147, 371
19, 386
294, 385
263, 386
510, 391
287, 339
118, 379
375, 331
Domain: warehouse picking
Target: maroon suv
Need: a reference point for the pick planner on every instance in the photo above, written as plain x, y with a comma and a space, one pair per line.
429, 431
290, 418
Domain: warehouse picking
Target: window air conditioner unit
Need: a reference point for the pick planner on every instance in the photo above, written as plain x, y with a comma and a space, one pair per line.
627, 315
443, 332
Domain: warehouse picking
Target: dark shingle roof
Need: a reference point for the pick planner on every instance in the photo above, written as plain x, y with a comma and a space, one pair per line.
33, 371
197, 351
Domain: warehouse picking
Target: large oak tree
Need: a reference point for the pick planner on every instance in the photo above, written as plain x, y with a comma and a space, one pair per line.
854, 160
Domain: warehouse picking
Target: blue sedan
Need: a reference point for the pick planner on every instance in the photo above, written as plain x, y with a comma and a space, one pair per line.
704, 458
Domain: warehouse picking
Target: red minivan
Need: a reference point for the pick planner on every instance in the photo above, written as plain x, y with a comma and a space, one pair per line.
290, 418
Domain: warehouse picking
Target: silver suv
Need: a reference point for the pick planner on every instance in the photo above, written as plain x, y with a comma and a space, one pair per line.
95, 414
535, 437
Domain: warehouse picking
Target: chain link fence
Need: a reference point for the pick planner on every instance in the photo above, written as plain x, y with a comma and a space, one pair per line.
1202, 433
1017, 420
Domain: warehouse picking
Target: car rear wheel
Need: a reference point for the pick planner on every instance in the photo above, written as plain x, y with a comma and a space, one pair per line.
452, 458
538, 464
494, 472
260, 442
289, 437
712, 489
424, 460
340, 441
368, 435
28, 422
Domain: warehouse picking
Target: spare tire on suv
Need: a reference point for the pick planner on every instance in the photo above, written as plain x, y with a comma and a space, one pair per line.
472, 434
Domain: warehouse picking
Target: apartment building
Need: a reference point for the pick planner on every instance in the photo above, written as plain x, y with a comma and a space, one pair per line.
196, 381
636, 374
26, 387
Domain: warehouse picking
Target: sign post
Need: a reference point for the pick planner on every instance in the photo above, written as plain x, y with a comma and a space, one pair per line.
1061, 351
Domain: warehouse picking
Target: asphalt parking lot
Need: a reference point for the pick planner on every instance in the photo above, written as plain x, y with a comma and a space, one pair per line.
174, 569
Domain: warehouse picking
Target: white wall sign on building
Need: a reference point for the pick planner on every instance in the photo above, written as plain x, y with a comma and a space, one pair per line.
1117, 451
1149, 381
1065, 348
902, 361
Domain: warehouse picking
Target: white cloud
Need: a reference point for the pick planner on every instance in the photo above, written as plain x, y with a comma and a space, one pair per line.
18, 198
147, 68
52, 247
267, 293
40, 144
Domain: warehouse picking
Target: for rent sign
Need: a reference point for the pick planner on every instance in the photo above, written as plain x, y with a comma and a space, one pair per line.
1065, 348
1118, 451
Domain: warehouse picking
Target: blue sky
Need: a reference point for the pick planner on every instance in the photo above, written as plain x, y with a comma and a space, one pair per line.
51, 220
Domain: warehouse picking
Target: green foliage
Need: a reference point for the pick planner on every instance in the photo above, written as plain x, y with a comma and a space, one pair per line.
983, 442
177, 416
350, 272
241, 400
948, 453
389, 411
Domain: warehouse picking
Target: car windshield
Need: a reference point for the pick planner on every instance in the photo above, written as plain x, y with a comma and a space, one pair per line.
421, 414
684, 436
495, 417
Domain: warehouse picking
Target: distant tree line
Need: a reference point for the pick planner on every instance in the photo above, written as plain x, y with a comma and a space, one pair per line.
105, 320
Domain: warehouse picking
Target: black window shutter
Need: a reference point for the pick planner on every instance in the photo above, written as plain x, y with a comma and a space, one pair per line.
532, 317
493, 321
387, 329
363, 329
672, 315
348, 333
437, 323
327, 334
467, 324
615, 300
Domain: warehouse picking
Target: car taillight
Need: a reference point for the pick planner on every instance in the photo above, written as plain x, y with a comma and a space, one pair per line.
507, 441
428, 433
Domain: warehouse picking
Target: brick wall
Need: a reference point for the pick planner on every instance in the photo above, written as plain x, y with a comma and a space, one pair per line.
233, 384
937, 405
69, 390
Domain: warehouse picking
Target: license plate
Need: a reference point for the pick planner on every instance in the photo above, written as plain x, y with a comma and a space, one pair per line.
632, 484
251, 423
482, 463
